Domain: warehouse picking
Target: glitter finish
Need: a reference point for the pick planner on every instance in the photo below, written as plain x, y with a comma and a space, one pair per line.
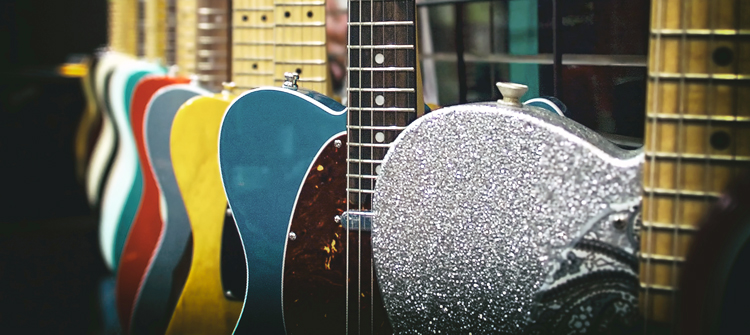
487, 217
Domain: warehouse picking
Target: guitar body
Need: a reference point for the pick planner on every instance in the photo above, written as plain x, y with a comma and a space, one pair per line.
162, 281
490, 218
106, 143
90, 121
270, 139
124, 186
202, 307
147, 224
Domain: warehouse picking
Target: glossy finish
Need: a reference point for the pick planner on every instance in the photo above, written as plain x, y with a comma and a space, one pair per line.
202, 307
106, 142
147, 224
265, 154
90, 122
124, 186
162, 283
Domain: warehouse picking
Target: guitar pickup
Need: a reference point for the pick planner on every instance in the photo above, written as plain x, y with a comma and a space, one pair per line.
357, 221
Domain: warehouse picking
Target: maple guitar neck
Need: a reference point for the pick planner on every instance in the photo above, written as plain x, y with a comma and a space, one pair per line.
697, 134
123, 16
252, 43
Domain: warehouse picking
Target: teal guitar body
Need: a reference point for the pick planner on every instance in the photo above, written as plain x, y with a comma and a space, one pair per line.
162, 282
269, 140
122, 192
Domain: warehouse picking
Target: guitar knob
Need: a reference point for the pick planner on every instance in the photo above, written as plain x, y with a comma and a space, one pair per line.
512, 93
290, 80
228, 87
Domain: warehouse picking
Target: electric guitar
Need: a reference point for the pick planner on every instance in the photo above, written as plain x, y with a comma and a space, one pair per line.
147, 223
90, 120
203, 306
284, 154
697, 141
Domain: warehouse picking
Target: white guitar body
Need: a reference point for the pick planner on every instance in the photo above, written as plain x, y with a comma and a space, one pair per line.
124, 168
105, 145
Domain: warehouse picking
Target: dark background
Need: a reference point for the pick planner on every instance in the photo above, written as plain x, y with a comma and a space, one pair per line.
49, 256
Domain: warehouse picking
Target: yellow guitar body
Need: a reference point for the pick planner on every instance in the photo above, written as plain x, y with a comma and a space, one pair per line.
202, 307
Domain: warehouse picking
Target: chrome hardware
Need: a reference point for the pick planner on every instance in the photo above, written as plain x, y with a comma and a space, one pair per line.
228, 87
337, 219
356, 220
337, 143
620, 221
635, 223
290, 80
292, 236
512, 93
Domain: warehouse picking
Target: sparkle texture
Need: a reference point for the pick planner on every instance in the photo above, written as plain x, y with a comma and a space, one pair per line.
477, 206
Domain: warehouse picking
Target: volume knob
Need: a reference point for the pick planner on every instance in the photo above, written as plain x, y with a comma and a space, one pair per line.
512, 93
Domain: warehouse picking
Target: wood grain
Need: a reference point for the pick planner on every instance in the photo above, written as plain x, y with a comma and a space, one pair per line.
697, 133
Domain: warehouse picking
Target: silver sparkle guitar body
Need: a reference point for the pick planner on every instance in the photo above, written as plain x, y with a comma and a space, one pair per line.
497, 218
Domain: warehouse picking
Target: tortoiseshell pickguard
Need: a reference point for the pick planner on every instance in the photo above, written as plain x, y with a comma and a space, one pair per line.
315, 291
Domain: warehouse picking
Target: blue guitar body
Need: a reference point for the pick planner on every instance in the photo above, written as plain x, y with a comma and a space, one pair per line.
269, 138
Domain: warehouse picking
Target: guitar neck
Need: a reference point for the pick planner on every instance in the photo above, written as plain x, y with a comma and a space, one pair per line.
252, 43
697, 133
213, 43
187, 23
123, 18
300, 43
155, 30
383, 91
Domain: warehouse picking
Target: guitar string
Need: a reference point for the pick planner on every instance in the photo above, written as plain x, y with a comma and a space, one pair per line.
652, 159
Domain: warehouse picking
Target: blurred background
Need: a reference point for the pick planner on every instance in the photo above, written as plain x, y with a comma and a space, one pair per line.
50, 264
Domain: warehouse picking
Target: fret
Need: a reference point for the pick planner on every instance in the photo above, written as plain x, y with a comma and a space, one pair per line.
207, 66
702, 32
365, 176
254, 9
369, 145
390, 68
669, 226
382, 23
300, 44
662, 288
682, 193
356, 190
382, 109
715, 98
383, 89
700, 14
211, 53
213, 38
254, 26
662, 258
300, 3
698, 157
123, 23
252, 43
733, 56
314, 24
366, 161
384, 128
384, 46
705, 118
699, 76
699, 137
211, 26
253, 58
306, 61
211, 11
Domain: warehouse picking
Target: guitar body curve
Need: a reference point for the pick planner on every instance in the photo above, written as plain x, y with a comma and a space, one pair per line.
202, 307
270, 137
90, 120
159, 289
147, 224
106, 143
125, 182
490, 218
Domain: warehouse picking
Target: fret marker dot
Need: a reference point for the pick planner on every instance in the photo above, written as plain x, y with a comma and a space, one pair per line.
244, 17
723, 56
380, 137
263, 18
287, 14
720, 140
379, 100
379, 58
377, 170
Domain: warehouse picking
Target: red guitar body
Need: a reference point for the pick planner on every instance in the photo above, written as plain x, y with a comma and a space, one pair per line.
147, 225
